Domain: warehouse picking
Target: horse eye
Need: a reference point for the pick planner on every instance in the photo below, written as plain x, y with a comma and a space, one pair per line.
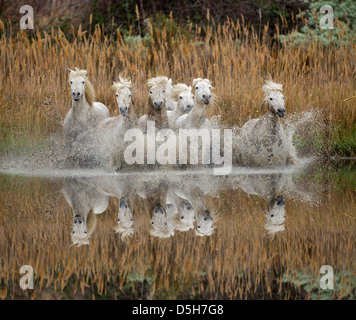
83, 82
272, 215
196, 88
117, 95
209, 88
129, 95
152, 222
270, 98
150, 92
192, 97
118, 220
181, 97
71, 82
85, 232
164, 91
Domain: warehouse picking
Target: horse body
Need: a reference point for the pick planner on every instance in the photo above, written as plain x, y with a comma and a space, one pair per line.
180, 212
157, 111
202, 98
269, 188
85, 114
263, 142
182, 95
111, 131
85, 202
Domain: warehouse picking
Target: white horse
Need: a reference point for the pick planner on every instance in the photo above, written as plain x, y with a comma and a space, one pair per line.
184, 98
125, 222
263, 141
203, 217
268, 187
181, 214
202, 98
86, 203
156, 195
124, 191
85, 114
111, 131
157, 98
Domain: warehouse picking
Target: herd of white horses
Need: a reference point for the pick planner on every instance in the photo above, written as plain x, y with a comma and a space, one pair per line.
172, 206
259, 142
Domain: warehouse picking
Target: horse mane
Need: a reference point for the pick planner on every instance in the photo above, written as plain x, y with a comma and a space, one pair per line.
125, 232
161, 80
122, 83
272, 229
160, 233
269, 85
181, 226
195, 81
89, 90
202, 234
178, 89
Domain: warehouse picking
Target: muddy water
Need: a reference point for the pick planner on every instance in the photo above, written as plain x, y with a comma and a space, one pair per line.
253, 234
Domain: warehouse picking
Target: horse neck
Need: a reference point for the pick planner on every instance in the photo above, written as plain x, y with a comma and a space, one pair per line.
176, 113
160, 117
196, 198
198, 114
272, 120
132, 115
80, 108
158, 195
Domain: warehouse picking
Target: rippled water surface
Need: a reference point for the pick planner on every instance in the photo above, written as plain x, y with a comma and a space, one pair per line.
179, 234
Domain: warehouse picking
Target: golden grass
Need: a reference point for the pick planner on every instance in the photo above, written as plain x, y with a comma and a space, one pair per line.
34, 93
238, 261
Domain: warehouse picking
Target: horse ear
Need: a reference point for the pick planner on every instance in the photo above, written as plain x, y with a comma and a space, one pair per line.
190, 88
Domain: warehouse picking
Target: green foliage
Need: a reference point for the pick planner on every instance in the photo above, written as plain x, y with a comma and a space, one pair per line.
344, 285
344, 29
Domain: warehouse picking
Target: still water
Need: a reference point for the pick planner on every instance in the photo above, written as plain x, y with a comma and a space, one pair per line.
254, 234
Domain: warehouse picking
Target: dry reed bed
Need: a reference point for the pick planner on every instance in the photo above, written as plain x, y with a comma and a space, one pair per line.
34, 93
233, 263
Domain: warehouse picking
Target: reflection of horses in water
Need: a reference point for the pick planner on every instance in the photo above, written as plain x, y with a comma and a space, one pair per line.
123, 191
180, 211
156, 194
85, 202
268, 187
203, 216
